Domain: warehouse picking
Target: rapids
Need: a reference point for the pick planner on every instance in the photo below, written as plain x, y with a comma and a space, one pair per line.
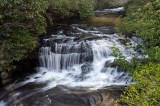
82, 58
77, 57
76, 68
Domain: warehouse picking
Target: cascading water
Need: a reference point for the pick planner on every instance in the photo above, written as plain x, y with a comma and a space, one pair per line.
75, 60
80, 57
83, 58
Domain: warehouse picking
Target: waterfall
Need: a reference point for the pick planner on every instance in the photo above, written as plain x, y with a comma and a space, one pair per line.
77, 58
61, 59
82, 57
85, 62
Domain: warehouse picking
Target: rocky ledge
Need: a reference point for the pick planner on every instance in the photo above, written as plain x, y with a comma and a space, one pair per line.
62, 96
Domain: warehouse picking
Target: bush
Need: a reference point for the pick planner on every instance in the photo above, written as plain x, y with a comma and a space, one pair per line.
146, 91
72, 8
144, 23
20, 22
16, 48
25, 15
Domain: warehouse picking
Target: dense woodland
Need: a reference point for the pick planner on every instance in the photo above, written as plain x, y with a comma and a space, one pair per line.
22, 21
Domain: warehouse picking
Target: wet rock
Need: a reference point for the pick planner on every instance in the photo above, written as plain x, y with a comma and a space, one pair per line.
90, 38
114, 64
61, 96
73, 48
107, 30
83, 37
86, 68
88, 57
108, 64
85, 48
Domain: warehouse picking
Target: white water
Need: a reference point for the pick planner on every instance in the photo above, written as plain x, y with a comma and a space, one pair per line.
2, 103
113, 10
64, 66
75, 64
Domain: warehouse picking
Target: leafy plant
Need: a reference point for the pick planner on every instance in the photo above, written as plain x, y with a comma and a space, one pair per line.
72, 8
146, 91
144, 22
22, 20
122, 62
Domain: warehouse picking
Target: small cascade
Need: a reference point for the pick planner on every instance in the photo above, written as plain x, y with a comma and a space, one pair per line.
117, 10
85, 58
77, 59
56, 61
76, 63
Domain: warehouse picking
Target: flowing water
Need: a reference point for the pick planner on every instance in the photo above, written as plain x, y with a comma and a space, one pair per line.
75, 56
86, 61
2, 103
80, 57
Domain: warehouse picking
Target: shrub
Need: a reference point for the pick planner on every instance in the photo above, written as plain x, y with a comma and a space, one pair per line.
72, 8
20, 22
144, 23
146, 91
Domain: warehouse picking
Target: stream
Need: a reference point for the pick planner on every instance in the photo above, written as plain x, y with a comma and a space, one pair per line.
76, 69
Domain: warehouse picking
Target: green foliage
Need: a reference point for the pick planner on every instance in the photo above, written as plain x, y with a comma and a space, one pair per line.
20, 21
22, 14
116, 52
63, 8
125, 65
146, 91
122, 62
133, 5
86, 8
101, 4
16, 48
70, 8
143, 19
145, 23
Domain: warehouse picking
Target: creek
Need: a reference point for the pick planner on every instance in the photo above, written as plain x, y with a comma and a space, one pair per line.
76, 68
